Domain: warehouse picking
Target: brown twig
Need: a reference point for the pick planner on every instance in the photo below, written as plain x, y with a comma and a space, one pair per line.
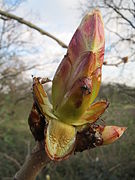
124, 60
112, 64
33, 26
33, 164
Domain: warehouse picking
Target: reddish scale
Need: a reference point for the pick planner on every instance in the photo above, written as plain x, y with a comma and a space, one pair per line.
88, 27
76, 45
87, 63
36, 123
115, 134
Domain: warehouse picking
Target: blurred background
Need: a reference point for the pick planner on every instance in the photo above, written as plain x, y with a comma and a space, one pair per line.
25, 52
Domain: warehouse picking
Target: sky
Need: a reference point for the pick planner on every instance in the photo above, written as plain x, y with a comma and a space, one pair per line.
61, 18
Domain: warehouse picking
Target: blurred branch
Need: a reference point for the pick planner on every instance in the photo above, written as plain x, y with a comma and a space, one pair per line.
114, 167
17, 72
118, 12
2, 32
11, 159
33, 26
20, 99
121, 37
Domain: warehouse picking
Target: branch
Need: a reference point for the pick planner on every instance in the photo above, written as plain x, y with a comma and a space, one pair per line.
118, 12
34, 163
121, 37
33, 26
38, 159
29, 24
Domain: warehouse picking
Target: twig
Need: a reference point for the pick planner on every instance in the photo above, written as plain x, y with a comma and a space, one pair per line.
33, 26
124, 60
33, 164
111, 64
118, 12
43, 32
114, 167
11, 159
121, 37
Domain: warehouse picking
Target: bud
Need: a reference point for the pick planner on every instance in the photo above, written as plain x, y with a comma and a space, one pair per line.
83, 60
110, 134
70, 119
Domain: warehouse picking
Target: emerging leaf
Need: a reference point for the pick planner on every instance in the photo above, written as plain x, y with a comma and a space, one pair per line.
60, 140
93, 113
41, 98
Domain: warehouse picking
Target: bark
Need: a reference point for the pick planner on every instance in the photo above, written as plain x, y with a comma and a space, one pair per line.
33, 164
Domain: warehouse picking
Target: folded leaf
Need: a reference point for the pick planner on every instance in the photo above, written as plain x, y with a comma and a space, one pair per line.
92, 113
96, 81
60, 140
75, 101
41, 98
84, 56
